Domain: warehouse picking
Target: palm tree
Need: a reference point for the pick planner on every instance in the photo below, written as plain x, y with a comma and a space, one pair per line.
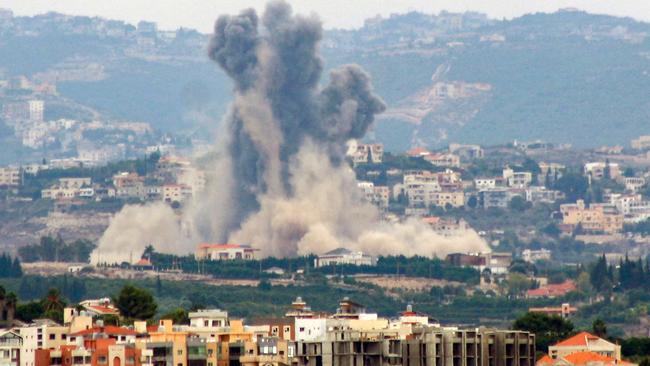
53, 301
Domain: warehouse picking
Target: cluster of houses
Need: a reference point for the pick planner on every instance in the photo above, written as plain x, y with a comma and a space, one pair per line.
302, 337
175, 180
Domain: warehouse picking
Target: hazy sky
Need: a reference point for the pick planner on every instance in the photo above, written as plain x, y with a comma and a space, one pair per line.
200, 14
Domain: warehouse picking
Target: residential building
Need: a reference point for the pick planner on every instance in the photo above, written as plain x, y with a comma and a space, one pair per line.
208, 319
584, 342
447, 226
517, 179
641, 143
532, 256
495, 263
597, 218
564, 311
427, 346
10, 344
215, 252
552, 290
582, 359
344, 256
445, 160
176, 192
74, 182
598, 170
467, 152
486, 183
40, 335
494, 198
365, 153
11, 176
536, 194
550, 172
634, 183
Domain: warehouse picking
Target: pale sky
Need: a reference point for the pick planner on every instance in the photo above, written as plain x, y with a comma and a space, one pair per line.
200, 14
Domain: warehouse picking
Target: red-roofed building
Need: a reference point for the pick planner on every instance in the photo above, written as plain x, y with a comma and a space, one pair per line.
418, 152
552, 290
582, 359
215, 252
584, 342
99, 307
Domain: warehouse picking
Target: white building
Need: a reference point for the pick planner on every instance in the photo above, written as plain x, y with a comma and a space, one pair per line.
344, 256
215, 252
36, 109
10, 344
517, 179
208, 319
532, 256
485, 183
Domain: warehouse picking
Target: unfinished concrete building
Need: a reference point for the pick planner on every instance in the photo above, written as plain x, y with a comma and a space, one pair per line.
427, 346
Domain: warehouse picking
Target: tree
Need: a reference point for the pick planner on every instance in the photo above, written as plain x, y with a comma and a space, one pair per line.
600, 277
599, 328
573, 185
135, 303
518, 283
548, 329
518, 203
178, 316
472, 202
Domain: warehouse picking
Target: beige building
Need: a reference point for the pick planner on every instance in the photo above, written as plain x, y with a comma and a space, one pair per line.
596, 218
585, 342
10, 176
641, 143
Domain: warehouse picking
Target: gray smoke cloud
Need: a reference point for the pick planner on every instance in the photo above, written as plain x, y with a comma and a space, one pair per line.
280, 183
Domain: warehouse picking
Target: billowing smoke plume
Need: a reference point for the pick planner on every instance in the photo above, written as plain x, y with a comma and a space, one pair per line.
280, 184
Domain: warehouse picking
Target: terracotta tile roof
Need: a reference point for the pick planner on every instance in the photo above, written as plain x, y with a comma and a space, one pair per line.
583, 358
559, 289
580, 339
546, 360
143, 262
102, 309
418, 151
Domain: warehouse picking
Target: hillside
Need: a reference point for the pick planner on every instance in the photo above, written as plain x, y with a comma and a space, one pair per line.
566, 77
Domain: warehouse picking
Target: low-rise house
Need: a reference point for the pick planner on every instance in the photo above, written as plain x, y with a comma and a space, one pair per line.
532, 256
564, 311
495, 263
583, 349
446, 226
445, 160
552, 290
536, 194
344, 256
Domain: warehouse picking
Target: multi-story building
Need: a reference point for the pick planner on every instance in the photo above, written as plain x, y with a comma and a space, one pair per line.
517, 179
427, 346
598, 170
365, 153
536, 194
11, 176
467, 152
584, 342
446, 226
10, 344
344, 256
74, 182
641, 143
42, 334
215, 252
597, 218
445, 160
534, 255
494, 198
176, 192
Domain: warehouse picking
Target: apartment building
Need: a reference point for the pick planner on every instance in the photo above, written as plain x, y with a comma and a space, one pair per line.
467, 152
10, 344
597, 170
427, 346
11, 176
41, 334
365, 153
517, 179
641, 143
597, 218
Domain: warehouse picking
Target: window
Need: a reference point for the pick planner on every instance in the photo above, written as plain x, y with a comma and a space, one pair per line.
206, 323
101, 359
52, 336
130, 360
179, 352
